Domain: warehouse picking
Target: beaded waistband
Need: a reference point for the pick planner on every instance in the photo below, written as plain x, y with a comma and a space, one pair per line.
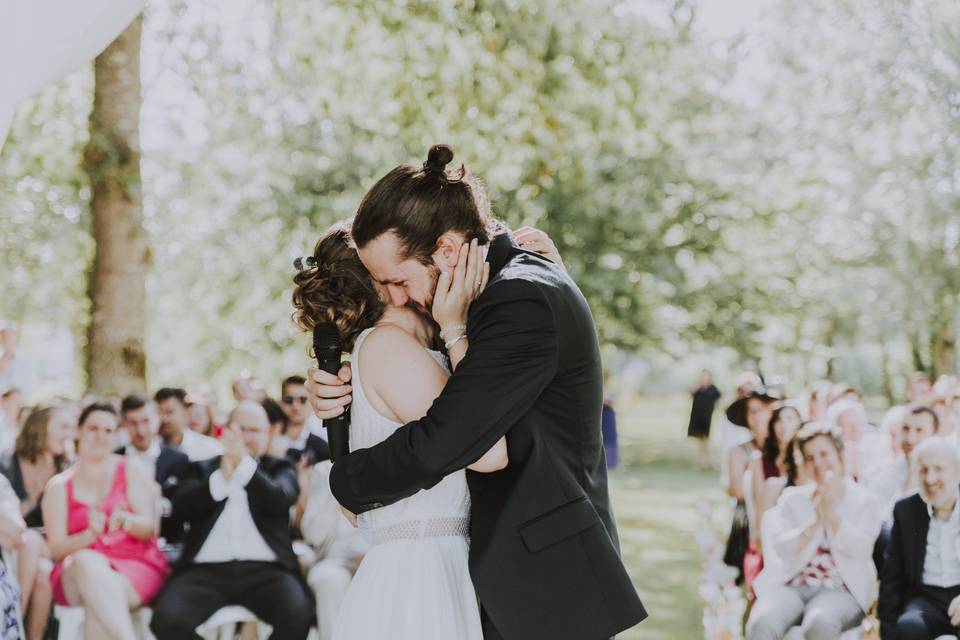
417, 529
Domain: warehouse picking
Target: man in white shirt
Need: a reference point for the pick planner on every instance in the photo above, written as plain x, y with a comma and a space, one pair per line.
920, 583
894, 480
172, 406
238, 549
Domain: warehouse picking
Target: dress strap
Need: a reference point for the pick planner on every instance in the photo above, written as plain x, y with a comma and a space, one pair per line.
118, 489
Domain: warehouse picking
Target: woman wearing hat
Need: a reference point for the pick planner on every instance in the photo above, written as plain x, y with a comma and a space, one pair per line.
752, 411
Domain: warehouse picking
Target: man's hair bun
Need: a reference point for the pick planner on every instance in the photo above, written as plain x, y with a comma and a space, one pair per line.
439, 156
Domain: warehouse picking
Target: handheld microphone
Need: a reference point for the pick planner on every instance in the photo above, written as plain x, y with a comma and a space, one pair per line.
327, 347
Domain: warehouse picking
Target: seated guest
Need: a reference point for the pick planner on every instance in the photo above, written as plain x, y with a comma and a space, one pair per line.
920, 585
818, 570
100, 521
33, 569
768, 477
37, 456
339, 547
864, 449
897, 480
293, 395
238, 550
172, 406
163, 463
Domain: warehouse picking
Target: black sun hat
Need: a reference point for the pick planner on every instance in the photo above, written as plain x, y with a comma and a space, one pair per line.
737, 412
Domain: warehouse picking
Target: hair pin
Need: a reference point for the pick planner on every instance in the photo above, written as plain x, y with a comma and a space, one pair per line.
303, 263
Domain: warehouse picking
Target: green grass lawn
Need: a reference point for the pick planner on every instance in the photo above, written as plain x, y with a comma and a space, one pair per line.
655, 493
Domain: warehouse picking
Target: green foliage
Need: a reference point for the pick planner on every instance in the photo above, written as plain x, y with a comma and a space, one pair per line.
812, 218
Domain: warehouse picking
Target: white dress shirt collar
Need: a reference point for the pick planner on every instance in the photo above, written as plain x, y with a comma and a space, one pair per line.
234, 535
941, 564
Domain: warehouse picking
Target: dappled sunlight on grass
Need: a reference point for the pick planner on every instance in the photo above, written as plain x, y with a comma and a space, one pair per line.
656, 510
655, 494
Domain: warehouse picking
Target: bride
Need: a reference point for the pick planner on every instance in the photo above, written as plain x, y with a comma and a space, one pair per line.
414, 582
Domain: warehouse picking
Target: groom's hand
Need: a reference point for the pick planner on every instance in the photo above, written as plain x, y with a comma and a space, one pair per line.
329, 393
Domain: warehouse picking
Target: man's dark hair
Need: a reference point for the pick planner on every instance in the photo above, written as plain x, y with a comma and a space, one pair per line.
132, 403
420, 204
171, 392
275, 413
919, 409
93, 408
294, 380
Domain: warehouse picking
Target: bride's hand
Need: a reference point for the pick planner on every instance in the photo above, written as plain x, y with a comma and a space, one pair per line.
456, 290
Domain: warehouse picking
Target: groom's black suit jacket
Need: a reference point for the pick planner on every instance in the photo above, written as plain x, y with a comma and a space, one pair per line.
544, 554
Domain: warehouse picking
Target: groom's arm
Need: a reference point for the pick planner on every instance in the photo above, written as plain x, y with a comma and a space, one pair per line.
512, 358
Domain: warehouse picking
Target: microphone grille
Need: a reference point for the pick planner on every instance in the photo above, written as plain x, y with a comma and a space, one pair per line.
326, 337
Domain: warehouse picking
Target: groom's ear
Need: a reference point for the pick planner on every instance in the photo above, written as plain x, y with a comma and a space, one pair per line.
448, 250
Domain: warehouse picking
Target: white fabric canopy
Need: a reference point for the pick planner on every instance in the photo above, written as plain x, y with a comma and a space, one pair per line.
41, 41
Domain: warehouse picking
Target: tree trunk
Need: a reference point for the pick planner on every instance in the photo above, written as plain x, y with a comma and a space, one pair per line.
943, 348
115, 360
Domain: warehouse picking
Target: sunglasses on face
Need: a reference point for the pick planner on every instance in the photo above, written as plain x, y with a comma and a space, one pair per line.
292, 399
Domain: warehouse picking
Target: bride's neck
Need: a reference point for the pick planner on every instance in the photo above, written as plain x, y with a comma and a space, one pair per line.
411, 322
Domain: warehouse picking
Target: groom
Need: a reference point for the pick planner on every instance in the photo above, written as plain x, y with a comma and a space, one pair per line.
544, 554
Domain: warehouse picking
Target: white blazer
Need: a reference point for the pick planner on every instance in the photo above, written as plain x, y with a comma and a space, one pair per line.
851, 545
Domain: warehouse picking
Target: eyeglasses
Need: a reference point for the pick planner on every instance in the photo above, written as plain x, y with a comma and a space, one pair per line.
292, 399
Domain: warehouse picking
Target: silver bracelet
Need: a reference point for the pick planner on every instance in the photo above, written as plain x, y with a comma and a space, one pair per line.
447, 345
459, 328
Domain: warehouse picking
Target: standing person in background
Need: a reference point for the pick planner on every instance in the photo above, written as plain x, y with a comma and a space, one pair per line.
172, 407
608, 424
705, 396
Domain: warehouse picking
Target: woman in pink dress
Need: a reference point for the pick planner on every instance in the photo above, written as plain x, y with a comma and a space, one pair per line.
101, 527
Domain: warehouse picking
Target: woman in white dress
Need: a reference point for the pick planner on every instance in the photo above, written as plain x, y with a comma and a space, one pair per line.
414, 582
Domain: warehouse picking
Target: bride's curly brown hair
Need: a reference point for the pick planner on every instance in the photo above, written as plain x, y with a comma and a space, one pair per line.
335, 287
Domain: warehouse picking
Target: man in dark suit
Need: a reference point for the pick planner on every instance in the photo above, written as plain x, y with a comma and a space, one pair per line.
167, 464
238, 549
301, 440
544, 553
920, 583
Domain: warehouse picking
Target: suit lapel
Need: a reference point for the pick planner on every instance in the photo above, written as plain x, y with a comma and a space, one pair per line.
920, 540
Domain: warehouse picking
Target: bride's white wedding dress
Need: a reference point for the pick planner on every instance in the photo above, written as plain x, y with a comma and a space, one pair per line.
414, 582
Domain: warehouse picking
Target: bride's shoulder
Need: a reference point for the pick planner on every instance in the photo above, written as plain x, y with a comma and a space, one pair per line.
389, 346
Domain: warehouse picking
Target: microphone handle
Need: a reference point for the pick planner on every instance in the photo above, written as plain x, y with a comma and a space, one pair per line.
338, 429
